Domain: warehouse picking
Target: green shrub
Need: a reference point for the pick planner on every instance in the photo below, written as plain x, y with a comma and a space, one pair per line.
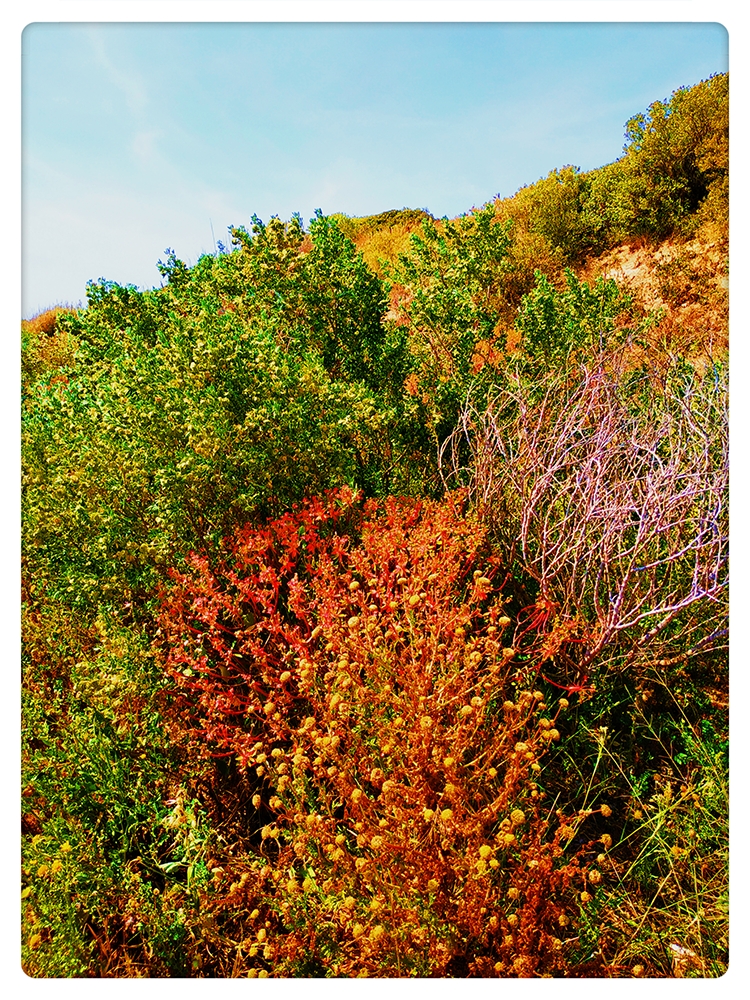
179, 417
114, 847
579, 321
676, 154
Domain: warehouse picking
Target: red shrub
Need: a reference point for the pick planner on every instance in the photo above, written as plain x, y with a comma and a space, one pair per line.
350, 657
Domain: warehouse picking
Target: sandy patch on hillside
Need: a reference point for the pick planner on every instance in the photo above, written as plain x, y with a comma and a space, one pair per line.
688, 281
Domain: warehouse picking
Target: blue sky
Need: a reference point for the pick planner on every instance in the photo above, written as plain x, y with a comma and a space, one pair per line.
139, 137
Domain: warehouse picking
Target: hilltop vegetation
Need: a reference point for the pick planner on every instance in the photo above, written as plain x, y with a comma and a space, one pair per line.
375, 591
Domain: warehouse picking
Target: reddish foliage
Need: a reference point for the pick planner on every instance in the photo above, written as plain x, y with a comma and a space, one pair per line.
350, 657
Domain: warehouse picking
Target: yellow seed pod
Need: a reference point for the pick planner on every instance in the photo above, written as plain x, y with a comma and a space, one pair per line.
354, 585
512, 920
606, 811
563, 703
494, 923
356, 794
504, 620
433, 885
358, 930
494, 863
606, 840
485, 851
426, 722
262, 935
522, 747
517, 817
492, 772
448, 761
428, 814
446, 814
595, 877
586, 897
509, 653
508, 839
513, 893
56, 866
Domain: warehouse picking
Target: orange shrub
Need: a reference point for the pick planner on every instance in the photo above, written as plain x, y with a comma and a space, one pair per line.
351, 658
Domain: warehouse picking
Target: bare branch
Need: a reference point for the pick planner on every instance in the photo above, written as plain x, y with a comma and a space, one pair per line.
610, 487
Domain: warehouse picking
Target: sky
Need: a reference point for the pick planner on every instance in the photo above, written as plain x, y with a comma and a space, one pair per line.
138, 137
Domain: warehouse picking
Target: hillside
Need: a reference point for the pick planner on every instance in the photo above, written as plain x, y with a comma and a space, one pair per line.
375, 591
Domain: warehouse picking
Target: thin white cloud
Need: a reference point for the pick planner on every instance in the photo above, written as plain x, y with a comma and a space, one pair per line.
144, 146
129, 82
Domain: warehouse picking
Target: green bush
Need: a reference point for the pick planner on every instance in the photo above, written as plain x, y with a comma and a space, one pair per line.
581, 320
676, 154
115, 852
179, 417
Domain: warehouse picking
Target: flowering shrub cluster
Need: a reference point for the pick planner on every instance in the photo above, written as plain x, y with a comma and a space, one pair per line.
352, 658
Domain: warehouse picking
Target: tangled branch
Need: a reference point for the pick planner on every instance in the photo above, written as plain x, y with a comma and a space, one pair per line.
610, 487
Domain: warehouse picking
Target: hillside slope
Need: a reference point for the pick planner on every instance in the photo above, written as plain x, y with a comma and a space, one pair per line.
375, 580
